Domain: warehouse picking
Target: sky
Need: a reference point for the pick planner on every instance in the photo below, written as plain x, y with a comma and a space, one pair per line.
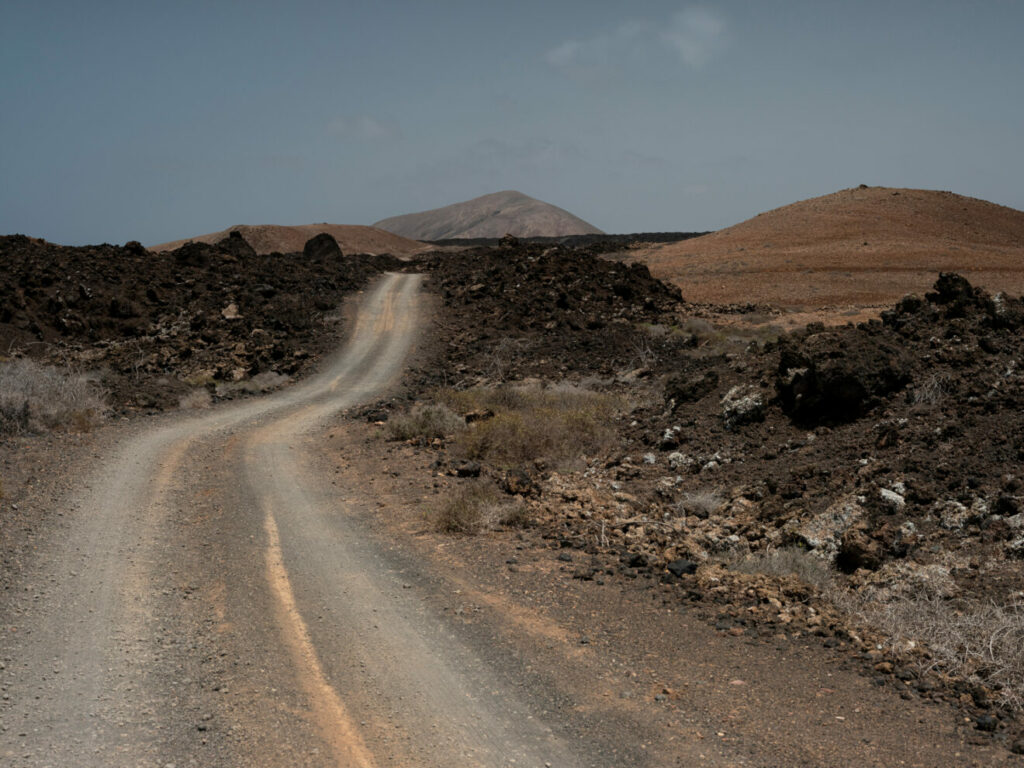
160, 120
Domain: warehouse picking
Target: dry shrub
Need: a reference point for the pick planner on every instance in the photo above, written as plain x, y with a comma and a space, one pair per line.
425, 422
197, 399
36, 398
258, 384
969, 639
555, 424
699, 327
932, 390
478, 506
700, 503
787, 561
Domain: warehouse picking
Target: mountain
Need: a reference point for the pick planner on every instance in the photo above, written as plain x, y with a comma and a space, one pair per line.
267, 238
495, 215
862, 246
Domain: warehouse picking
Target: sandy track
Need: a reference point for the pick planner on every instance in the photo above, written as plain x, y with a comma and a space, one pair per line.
205, 602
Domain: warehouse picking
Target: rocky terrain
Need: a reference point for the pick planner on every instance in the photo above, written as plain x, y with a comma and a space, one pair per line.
857, 483
271, 238
856, 247
494, 215
203, 320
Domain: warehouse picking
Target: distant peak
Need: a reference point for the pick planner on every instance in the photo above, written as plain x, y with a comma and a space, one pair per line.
492, 215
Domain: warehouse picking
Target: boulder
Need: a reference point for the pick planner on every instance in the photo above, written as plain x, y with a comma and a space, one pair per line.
743, 404
236, 245
833, 377
322, 246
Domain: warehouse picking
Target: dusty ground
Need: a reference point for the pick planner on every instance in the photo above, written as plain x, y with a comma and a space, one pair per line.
229, 584
886, 452
858, 247
616, 647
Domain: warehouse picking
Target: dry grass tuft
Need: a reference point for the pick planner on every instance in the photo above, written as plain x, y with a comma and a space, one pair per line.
976, 641
37, 398
787, 561
555, 424
425, 422
932, 390
478, 506
197, 399
703, 504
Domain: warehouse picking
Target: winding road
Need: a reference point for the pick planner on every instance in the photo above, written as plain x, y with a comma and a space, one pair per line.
146, 601
215, 590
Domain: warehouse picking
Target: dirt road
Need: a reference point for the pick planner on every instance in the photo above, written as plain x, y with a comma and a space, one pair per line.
203, 603
217, 591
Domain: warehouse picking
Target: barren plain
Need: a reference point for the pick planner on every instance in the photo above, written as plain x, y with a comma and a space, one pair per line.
520, 505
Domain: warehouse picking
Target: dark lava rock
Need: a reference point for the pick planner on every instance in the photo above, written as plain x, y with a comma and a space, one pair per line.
468, 469
858, 551
518, 482
690, 389
955, 293
832, 377
323, 246
638, 560
237, 246
986, 723
682, 567
526, 310
85, 302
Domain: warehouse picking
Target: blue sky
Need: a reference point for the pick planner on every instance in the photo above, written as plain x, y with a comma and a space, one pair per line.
157, 120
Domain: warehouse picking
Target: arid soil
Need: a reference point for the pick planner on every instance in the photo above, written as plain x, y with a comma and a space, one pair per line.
271, 238
612, 643
884, 456
702, 584
866, 246
154, 328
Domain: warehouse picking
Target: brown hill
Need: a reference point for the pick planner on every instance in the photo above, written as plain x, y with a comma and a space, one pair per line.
858, 247
267, 238
494, 215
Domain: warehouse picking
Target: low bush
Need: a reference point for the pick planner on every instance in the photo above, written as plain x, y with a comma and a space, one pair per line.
195, 400
787, 561
36, 398
425, 422
703, 504
478, 506
969, 639
554, 424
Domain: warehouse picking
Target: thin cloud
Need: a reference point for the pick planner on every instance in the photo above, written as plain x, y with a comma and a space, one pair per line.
692, 35
695, 34
364, 128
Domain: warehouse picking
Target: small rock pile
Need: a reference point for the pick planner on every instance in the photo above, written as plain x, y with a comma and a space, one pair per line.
159, 325
529, 310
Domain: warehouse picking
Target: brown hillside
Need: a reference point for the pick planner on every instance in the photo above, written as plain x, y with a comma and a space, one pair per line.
858, 247
267, 238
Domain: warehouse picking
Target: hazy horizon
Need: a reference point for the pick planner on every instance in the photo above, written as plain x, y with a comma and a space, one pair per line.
154, 121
